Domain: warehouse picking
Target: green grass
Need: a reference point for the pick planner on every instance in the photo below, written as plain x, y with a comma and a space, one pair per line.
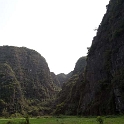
68, 120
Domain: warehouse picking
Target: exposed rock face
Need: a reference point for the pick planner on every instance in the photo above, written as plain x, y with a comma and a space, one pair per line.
11, 97
80, 65
69, 97
102, 85
63, 77
55, 80
69, 75
30, 72
104, 90
97, 89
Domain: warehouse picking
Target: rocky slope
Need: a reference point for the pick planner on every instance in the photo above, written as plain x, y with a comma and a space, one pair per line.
11, 97
80, 65
96, 86
25, 74
68, 98
101, 88
104, 91
63, 78
56, 81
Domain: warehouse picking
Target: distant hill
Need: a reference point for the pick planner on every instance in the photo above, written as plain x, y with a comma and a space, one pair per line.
68, 98
63, 77
55, 80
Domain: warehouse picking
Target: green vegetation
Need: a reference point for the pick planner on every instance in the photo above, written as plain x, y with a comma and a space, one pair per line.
100, 120
26, 86
65, 120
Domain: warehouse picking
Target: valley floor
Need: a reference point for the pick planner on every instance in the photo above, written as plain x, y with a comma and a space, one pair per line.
65, 120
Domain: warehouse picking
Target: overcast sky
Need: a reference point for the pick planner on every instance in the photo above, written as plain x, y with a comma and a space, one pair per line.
60, 30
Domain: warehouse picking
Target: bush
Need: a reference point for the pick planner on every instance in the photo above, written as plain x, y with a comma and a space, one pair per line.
16, 115
99, 120
10, 122
26, 121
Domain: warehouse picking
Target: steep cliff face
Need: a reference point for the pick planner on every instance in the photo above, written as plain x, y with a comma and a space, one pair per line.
11, 97
68, 98
80, 65
101, 87
31, 74
63, 77
55, 81
104, 90
31, 70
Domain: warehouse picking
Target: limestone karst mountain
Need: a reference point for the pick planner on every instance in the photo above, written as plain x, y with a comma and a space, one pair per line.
94, 87
63, 77
11, 96
55, 80
68, 98
25, 77
104, 92
100, 90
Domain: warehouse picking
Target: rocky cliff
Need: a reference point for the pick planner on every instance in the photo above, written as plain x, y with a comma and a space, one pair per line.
68, 98
80, 65
55, 81
62, 78
96, 86
24, 75
101, 87
11, 97
104, 90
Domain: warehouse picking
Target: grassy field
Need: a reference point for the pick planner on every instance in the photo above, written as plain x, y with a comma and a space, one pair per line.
66, 120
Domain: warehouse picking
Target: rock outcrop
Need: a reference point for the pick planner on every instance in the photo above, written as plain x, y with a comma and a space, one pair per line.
102, 85
63, 78
55, 81
24, 73
11, 96
68, 98
80, 65
104, 90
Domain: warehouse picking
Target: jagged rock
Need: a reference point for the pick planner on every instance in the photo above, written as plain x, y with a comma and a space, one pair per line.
80, 65
55, 80
68, 98
63, 77
104, 72
11, 97
102, 88
31, 74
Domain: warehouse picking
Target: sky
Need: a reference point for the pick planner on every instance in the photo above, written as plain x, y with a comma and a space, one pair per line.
60, 30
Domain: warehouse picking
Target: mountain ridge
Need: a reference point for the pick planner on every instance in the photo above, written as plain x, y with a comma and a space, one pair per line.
101, 86
31, 72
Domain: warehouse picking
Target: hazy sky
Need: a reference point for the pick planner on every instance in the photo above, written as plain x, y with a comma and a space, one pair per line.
60, 30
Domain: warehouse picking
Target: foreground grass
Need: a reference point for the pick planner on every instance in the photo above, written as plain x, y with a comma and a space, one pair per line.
66, 120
